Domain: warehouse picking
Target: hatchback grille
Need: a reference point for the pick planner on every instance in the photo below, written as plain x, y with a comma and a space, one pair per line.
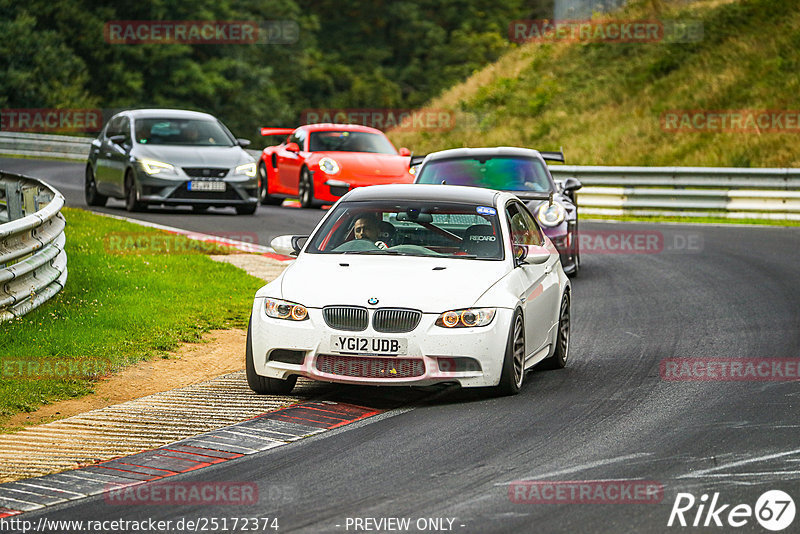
395, 320
205, 172
370, 367
345, 317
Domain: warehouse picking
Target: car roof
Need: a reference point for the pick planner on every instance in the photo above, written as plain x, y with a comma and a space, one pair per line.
482, 152
168, 114
433, 192
325, 126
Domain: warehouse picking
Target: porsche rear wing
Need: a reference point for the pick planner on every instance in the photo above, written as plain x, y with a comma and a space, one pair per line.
276, 131
553, 156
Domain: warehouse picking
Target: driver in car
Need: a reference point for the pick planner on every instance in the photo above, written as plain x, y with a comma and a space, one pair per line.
367, 227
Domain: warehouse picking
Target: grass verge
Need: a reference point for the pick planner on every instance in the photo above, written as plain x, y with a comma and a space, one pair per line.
126, 299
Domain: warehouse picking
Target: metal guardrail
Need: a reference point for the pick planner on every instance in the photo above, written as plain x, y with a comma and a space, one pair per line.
44, 145
33, 263
729, 192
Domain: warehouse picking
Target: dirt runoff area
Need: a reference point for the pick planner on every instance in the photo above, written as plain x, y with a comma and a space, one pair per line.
219, 353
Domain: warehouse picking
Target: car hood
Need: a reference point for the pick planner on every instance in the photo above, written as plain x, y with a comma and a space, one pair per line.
368, 166
195, 156
432, 285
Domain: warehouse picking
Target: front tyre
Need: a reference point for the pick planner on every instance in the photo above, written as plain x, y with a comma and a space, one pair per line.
305, 189
93, 198
249, 209
131, 202
263, 189
561, 353
263, 385
514, 361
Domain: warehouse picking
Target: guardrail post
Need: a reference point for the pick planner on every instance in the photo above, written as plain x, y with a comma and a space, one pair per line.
29, 204
13, 201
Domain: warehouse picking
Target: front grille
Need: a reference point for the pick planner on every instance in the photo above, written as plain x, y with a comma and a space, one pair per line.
395, 320
361, 367
349, 318
206, 172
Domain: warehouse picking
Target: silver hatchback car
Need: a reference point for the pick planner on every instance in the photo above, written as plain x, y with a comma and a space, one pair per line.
170, 157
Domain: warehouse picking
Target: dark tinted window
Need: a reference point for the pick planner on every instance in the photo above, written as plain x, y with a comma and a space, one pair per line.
503, 173
192, 132
344, 141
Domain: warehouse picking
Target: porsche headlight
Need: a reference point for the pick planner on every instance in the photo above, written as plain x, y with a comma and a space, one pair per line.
282, 309
551, 214
248, 169
328, 166
152, 166
466, 318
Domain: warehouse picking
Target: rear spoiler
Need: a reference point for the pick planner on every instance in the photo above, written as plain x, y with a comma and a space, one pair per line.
553, 156
276, 131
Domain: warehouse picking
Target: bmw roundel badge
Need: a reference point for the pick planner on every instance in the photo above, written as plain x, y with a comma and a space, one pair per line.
372, 301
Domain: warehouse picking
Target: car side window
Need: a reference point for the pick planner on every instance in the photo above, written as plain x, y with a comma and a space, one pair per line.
535, 231
125, 129
523, 229
113, 127
299, 137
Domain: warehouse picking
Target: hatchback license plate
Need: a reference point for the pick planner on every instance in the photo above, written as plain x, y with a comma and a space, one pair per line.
367, 346
206, 186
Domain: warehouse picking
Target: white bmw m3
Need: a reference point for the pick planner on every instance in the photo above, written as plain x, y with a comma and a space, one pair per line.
413, 285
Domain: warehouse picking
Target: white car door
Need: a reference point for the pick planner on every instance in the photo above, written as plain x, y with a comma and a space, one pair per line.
537, 283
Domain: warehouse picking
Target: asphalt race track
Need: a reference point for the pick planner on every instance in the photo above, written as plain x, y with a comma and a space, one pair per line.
610, 415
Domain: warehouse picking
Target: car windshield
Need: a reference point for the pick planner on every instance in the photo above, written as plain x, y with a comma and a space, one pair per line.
187, 132
506, 173
410, 228
344, 141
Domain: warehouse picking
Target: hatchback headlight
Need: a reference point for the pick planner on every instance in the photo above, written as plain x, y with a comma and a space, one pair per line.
248, 169
551, 214
328, 166
152, 166
282, 309
466, 318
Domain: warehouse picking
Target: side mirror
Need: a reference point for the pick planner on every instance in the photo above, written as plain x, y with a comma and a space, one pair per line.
288, 245
404, 151
572, 184
292, 147
117, 139
243, 142
530, 254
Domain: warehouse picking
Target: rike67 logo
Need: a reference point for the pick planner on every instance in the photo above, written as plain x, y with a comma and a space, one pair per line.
774, 510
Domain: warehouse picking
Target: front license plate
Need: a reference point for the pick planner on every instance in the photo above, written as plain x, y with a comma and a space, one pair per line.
368, 346
206, 186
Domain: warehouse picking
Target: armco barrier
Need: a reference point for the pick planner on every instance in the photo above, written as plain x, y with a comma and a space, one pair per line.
44, 145
33, 263
729, 192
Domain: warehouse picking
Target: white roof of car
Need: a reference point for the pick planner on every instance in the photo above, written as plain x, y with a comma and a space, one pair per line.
430, 192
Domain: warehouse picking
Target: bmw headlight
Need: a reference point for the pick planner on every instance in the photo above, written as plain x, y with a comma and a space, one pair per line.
551, 214
152, 166
248, 169
466, 318
328, 166
282, 309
